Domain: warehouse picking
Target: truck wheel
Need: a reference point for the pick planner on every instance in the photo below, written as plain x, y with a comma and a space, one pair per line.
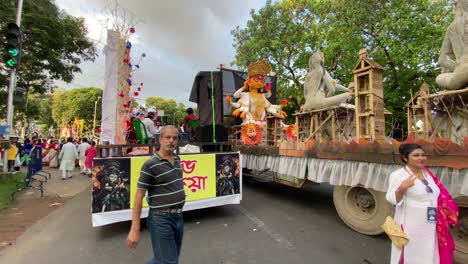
363, 210
460, 235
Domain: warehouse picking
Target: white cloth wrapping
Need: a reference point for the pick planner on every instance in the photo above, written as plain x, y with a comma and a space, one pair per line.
351, 173
109, 95
68, 155
411, 212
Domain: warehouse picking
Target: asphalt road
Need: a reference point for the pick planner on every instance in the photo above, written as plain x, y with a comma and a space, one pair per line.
273, 224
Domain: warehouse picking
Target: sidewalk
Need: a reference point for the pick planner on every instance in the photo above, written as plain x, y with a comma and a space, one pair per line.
64, 188
30, 207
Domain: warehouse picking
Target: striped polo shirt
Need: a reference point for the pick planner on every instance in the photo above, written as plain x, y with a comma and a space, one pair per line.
163, 181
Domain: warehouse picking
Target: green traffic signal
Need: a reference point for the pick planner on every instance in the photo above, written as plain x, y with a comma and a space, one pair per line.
11, 63
13, 52
13, 45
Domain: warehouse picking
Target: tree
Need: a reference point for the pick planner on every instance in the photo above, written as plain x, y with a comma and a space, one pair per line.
76, 103
277, 33
54, 44
403, 36
45, 110
175, 112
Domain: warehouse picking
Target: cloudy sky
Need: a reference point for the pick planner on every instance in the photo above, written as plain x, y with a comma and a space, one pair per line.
179, 38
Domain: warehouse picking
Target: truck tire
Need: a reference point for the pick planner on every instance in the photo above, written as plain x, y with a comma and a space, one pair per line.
460, 235
363, 210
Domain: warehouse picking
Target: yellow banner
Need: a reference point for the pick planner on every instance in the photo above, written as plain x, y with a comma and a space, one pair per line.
199, 176
135, 167
199, 172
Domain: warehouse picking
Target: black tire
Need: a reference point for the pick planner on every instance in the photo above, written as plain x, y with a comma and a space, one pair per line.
363, 210
460, 235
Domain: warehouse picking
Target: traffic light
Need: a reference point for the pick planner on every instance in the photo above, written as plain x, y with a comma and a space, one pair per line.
13, 45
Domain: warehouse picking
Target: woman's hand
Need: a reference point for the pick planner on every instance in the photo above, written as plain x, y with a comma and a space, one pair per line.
406, 184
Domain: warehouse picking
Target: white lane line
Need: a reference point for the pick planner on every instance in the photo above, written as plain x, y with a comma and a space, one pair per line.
277, 237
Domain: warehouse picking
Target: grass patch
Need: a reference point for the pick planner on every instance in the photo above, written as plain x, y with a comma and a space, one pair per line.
7, 186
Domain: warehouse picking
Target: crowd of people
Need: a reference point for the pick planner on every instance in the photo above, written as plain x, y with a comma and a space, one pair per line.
149, 128
55, 153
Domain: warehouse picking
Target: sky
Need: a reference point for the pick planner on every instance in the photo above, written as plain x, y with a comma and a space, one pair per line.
179, 37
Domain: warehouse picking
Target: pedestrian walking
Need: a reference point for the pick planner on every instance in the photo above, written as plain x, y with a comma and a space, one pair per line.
53, 155
12, 156
424, 208
161, 177
81, 152
90, 153
68, 155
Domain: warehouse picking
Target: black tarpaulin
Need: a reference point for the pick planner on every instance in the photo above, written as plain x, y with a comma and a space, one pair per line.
209, 91
202, 95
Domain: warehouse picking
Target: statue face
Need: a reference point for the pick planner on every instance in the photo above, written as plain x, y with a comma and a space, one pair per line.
256, 82
316, 59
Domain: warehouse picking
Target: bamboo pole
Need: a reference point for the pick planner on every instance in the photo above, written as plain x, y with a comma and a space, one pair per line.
445, 93
333, 125
320, 126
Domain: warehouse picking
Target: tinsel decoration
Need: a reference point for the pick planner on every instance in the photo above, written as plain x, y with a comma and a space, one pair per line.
251, 134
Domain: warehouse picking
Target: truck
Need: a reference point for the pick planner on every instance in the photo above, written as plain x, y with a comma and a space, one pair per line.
344, 145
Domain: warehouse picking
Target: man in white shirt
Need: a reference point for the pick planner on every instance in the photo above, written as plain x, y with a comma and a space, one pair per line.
149, 123
81, 152
67, 158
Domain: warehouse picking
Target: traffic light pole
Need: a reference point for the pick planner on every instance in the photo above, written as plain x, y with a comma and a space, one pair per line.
11, 89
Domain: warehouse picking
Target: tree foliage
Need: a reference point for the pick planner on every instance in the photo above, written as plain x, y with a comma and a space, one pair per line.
404, 36
77, 103
175, 112
53, 45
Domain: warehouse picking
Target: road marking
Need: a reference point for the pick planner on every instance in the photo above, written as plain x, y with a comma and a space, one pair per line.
260, 224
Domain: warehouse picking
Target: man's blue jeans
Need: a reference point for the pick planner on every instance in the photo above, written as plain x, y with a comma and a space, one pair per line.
166, 230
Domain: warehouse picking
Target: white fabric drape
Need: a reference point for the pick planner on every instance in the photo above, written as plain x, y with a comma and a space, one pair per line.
351, 173
109, 96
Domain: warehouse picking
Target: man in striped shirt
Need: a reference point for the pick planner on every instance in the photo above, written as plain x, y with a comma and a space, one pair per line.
161, 177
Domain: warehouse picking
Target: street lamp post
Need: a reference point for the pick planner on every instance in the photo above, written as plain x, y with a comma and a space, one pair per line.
94, 119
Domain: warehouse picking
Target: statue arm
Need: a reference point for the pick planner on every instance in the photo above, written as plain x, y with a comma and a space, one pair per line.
239, 92
329, 84
234, 104
446, 54
275, 110
341, 88
332, 86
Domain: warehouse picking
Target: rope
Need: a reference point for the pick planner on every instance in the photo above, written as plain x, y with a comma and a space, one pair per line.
213, 113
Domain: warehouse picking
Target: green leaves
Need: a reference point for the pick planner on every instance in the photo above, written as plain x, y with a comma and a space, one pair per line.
76, 103
53, 44
175, 112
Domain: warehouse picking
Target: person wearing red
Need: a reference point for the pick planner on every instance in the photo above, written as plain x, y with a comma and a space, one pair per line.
131, 133
190, 116
53, 155
188, 132
90, 154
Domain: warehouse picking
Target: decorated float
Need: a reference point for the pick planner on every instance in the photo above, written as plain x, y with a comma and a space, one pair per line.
337, 138
210, 179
